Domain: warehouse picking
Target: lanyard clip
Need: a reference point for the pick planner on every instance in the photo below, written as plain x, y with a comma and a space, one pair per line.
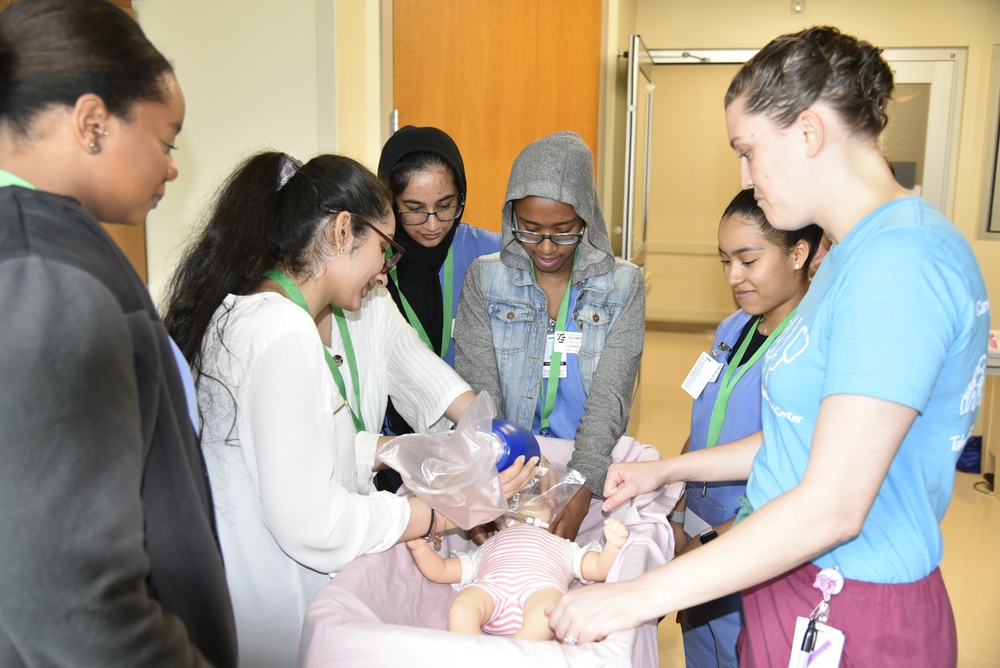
720, 349
830, 582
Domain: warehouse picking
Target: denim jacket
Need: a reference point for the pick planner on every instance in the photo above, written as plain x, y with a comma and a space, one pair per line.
502, 325
502, 321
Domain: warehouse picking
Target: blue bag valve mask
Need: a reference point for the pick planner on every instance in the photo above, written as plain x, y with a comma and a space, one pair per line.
510, 441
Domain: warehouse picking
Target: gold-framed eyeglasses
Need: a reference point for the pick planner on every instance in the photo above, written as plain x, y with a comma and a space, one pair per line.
445, 215
393, 254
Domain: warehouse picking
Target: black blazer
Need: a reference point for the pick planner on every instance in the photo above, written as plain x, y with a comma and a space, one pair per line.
108, 554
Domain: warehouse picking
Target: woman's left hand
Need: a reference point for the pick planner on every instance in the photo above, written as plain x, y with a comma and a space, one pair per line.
593, 612
567, 524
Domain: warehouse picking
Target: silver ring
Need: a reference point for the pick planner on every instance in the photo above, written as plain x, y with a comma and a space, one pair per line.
569, 640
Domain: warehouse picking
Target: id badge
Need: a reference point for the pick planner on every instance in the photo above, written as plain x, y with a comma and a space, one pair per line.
827, 645
703, 512
546, 363
705, 370
568, 342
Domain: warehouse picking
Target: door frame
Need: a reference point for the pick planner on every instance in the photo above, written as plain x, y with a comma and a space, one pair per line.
947, 66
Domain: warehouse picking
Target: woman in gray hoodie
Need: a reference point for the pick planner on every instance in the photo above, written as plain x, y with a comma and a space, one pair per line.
555, 297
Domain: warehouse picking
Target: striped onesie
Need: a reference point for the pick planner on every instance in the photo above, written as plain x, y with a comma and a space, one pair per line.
516, 562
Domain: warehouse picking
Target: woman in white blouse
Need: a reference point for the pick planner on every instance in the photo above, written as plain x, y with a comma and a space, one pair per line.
285, 418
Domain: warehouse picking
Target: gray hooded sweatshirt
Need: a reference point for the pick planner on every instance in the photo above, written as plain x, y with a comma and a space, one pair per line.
502, 321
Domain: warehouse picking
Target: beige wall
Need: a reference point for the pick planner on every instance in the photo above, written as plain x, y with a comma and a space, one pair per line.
299, 76
262, 74
361, 125
975, 24
617, 25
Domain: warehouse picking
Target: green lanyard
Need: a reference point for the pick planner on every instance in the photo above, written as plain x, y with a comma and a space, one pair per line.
729, 379
8, 179
555, 361
448, 305
295, 294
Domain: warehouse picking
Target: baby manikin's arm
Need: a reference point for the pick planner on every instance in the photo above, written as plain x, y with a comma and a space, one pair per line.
595, 566
434, 567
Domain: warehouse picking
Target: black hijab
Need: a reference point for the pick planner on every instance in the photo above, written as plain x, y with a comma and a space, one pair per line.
412, 149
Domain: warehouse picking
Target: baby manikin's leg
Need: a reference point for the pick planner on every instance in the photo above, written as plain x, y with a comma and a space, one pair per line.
536, 624
472, 608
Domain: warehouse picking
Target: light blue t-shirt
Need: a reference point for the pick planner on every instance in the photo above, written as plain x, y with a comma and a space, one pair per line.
897, 311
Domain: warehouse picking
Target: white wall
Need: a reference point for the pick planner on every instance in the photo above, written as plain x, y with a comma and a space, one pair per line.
255, 75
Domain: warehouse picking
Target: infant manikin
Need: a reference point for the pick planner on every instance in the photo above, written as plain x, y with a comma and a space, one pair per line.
507, 583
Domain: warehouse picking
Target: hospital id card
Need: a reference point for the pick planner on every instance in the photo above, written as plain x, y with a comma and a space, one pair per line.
547, 361
822, 649
705, 370
567, 342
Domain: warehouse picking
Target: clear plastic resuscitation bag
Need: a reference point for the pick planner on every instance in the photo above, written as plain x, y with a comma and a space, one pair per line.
455, 473
544, 496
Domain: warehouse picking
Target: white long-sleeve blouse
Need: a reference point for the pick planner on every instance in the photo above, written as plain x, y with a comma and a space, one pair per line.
290, 476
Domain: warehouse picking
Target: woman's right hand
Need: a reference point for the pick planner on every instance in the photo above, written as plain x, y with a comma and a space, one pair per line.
628, 480
516, 476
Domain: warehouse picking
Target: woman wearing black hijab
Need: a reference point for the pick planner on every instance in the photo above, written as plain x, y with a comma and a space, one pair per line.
424, 169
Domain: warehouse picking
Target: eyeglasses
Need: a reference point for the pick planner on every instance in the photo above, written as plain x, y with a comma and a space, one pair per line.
397, 251
534, 238
562, 239
445, 215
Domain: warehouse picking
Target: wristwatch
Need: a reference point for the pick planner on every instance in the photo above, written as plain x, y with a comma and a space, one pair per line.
677, 517
707, 535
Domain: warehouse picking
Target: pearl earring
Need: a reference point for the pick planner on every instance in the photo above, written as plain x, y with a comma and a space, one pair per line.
798, 266
98, 132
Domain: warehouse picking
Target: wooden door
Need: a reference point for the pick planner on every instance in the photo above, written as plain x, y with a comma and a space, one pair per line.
496, 75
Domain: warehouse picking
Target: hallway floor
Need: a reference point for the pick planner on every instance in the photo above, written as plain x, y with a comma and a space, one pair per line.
971, 527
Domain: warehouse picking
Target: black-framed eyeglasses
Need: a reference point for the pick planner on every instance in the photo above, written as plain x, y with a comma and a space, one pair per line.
397, 251
534, 238
445, 215
561, 239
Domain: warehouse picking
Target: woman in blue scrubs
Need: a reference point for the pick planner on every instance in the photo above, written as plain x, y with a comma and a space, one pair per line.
768, 270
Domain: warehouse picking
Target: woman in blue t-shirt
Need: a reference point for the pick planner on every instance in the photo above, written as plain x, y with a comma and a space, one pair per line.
868, 395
